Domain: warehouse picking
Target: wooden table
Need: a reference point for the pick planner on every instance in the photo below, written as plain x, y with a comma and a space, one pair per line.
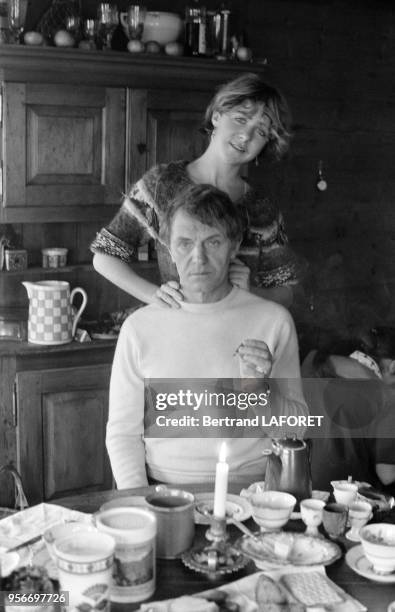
173, 579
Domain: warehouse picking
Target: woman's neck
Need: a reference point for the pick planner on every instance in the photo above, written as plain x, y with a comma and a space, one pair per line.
208, 168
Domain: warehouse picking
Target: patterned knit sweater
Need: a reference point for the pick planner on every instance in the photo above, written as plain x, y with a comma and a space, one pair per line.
264, 248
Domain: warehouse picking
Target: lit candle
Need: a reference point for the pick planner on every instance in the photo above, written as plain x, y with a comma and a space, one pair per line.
221, 484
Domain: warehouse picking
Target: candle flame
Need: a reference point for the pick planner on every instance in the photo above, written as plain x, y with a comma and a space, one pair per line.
223, 452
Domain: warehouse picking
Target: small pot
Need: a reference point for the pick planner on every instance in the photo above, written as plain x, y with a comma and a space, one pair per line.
54, 258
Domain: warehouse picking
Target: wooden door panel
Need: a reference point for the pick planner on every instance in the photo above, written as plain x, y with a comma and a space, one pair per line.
163, 126
174, 135
64, 151
62, 145
62, 414
81, 435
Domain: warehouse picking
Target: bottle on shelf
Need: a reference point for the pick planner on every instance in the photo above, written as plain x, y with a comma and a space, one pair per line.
195, 29
213, 33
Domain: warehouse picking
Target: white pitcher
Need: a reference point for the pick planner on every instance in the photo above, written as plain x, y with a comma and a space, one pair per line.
51, 318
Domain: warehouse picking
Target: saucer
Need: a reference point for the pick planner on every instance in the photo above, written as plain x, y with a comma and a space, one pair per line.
237, 507
360, 564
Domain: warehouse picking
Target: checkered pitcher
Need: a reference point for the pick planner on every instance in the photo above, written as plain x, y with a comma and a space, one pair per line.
52, 320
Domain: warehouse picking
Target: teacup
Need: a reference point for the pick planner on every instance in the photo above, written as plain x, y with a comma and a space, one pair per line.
334, 519
345, 492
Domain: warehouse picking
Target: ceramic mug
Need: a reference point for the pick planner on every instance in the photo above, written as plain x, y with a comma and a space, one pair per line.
174, 511
134, 532
334, 519
85, 565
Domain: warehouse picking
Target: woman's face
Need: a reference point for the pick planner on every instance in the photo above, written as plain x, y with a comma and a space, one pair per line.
241, 132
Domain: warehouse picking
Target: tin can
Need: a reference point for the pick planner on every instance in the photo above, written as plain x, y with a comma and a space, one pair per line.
54, 258
134, 532
15, 259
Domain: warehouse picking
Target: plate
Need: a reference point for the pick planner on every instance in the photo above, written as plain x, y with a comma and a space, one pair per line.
237, 507
243, 592
288, 548
360, 564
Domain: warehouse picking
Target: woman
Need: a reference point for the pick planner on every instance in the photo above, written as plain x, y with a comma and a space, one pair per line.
245, 118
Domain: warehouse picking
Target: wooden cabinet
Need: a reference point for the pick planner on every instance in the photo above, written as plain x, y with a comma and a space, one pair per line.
64, 151
78, 127
61, 416
164, 126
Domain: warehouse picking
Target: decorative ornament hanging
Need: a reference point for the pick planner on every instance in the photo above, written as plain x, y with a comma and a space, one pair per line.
322, 185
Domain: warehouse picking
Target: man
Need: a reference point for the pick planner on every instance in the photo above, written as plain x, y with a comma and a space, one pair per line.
219, 331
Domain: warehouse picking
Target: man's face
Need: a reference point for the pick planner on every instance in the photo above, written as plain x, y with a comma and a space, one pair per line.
202, 255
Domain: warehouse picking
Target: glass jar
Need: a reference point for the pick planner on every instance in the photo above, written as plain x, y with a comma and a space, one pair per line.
195, 29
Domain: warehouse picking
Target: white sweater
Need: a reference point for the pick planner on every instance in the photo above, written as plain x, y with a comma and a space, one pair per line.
196, 341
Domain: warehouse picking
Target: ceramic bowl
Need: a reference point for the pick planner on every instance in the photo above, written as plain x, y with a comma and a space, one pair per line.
272, 509
378, 542
162, 27
63, 530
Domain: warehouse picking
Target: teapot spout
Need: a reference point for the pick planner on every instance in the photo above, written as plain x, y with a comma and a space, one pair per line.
29, 287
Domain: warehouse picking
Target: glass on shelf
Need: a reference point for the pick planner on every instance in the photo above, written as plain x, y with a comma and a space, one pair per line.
89, 32
133, 21
107, 21
16, 18
73, 25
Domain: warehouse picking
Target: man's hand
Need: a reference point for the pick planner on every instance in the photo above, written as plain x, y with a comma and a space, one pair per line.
168, 295
239, 274
256, 360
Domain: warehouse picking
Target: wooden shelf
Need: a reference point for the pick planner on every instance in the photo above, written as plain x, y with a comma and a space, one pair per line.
116, 68
34, 270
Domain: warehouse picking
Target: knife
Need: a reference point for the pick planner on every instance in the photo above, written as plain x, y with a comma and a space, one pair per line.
25, 544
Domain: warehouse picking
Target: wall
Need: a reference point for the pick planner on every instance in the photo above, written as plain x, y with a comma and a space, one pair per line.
334, 62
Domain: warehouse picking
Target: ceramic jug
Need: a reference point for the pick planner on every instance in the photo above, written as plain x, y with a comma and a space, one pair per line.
51, 317
288, 468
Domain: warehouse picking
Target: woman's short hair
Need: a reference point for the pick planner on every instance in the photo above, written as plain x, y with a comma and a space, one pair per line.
250, 87
210, 206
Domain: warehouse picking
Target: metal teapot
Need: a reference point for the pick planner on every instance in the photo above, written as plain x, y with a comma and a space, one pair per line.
288, 468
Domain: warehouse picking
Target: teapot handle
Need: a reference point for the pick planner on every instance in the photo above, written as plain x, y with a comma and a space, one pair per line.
81, 309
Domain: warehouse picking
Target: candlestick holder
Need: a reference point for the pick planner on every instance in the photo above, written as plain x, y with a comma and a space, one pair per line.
219, 557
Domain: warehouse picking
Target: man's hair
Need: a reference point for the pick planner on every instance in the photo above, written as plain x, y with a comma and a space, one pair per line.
250, 87
210, 206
